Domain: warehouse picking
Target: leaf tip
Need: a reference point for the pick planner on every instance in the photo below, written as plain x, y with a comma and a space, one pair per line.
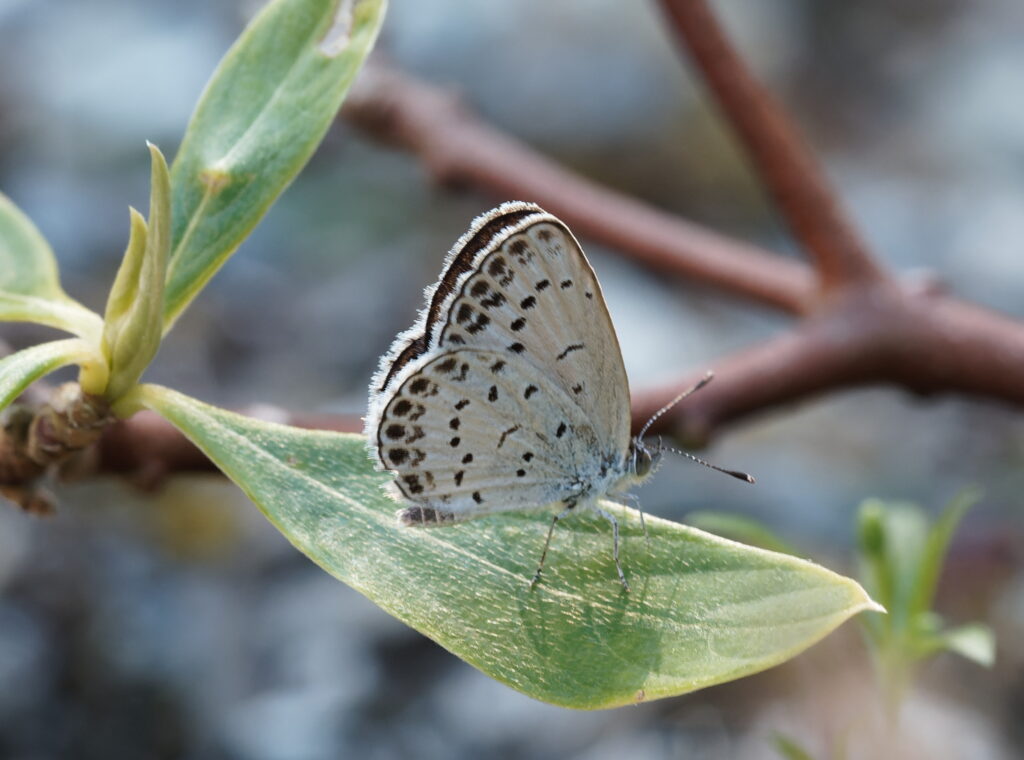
346, 18
337, 36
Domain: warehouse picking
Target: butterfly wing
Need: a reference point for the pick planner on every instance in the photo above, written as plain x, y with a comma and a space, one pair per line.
514, 363
534, 297
470, 433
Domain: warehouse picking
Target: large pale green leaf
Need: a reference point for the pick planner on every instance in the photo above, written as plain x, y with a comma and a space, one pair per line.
19, 370
740, 528
29, 285
261, 117
703, 609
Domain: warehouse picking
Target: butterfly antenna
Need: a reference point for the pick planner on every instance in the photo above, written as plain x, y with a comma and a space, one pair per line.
693, 389
734, 473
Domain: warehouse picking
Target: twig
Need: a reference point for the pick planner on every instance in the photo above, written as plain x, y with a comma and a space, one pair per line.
923, 342
458, 148
783, 161
148, 448
869, 327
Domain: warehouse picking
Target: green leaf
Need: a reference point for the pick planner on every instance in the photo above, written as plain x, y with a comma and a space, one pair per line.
933, 553
261, 117
29, 285
975, 641
126, 282
789, 749
21, 369
133, 325
703, 610
742, 529
892, 542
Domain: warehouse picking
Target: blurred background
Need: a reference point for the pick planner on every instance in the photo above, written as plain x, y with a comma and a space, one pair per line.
184, 626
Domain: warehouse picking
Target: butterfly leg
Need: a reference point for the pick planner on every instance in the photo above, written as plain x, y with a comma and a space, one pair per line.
547, 542
615, 543
635, 501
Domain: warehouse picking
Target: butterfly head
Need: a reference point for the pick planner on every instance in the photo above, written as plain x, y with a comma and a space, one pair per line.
642, 460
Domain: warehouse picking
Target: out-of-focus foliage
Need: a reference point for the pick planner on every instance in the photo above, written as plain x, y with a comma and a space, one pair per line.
30, 288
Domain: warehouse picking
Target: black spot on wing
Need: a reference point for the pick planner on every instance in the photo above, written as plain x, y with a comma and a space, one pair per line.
493, 300
481, 321
412, 482
497, 267
568, 350
424, 516
459, 265
447, 366
505, 434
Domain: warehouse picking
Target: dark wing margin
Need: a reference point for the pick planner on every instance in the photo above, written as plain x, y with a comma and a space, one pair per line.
412, 344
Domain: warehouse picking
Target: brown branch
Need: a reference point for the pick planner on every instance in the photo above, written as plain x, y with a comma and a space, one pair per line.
871, 328
458, 148
920, 341
148, 448
784, 162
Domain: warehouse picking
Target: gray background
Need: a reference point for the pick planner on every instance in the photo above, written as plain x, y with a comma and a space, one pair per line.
185, 626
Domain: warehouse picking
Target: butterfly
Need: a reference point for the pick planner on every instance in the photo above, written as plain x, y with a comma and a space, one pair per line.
509, 392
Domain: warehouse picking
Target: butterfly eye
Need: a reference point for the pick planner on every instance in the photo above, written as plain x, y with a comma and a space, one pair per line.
642, 460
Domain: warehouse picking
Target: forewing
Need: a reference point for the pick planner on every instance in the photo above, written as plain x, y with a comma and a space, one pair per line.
472, 432
461, 261
533, 298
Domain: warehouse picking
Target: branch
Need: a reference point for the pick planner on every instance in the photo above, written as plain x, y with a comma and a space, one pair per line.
871, 329
783, 161
902, 336
457, 148
148, 448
